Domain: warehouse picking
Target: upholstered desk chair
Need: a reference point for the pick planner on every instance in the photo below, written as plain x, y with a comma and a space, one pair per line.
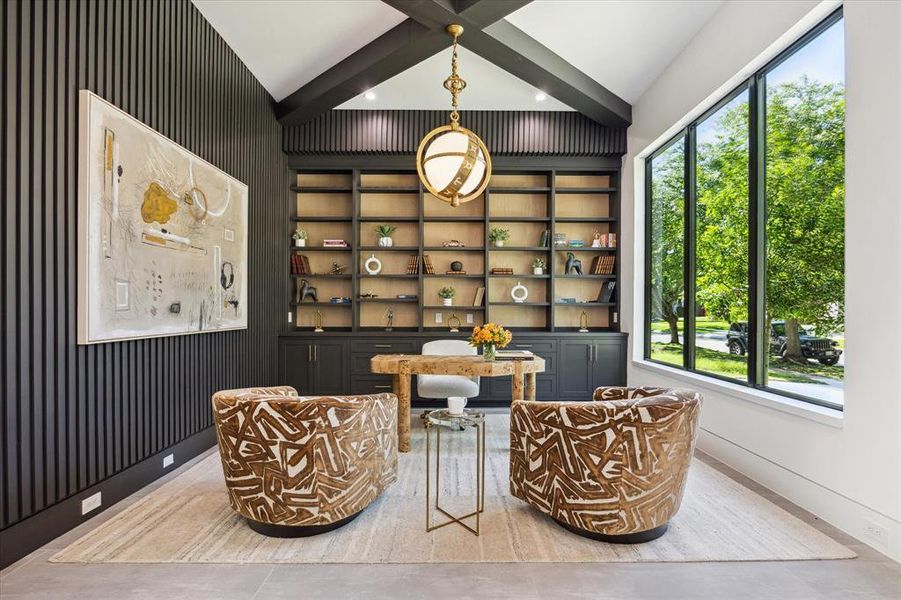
298, 466
612, 470
447, 386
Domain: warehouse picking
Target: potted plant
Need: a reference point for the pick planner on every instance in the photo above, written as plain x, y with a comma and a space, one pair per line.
384, 232
538, 266
498, 236
488, 338
300, 237
447, 295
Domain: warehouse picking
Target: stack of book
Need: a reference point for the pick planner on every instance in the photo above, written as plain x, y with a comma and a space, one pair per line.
300, 265
334, 244
413, 265
576, 243
603, 265
428, 269
455, 272
479, 297
545, 239
502, 271
606, 293
339, 300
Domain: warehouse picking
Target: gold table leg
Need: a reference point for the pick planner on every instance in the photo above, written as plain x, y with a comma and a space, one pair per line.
402, 390
480, 481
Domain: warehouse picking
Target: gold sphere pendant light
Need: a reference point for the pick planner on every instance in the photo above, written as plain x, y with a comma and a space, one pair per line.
452, 161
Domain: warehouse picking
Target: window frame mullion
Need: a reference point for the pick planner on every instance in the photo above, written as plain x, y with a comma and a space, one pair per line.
758, 340
689, 248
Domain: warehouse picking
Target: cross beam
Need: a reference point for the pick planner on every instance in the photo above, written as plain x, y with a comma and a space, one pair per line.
422, 35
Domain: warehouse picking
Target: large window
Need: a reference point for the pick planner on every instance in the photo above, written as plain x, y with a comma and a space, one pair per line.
745, 244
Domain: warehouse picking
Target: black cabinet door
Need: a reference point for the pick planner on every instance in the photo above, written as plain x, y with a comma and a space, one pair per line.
296, 366
609, 363
331, 367
575, 370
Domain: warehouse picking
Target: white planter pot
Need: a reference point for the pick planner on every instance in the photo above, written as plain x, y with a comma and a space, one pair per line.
455, 405
386, 242
300, 243
537, 271
447, 301
499, 244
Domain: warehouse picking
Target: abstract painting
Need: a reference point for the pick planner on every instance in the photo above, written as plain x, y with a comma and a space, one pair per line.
162, 233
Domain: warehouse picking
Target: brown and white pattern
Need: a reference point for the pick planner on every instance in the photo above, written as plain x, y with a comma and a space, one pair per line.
614, 466
304, 461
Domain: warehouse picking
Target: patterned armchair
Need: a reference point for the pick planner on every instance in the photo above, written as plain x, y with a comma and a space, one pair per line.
613, 469
297, 466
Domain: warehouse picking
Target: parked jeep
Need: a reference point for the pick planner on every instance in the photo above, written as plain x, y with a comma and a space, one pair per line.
823, 350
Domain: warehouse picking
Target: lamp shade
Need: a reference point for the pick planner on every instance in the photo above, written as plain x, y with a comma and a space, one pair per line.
453, 164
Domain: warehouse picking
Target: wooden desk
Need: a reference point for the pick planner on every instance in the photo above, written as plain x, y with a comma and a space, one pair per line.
401, 366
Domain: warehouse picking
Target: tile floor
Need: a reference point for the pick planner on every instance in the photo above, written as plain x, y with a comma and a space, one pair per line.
872, 575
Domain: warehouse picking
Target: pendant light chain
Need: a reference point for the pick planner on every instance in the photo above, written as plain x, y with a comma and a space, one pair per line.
454, 84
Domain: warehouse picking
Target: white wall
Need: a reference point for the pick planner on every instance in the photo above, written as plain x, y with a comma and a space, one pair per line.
845, 468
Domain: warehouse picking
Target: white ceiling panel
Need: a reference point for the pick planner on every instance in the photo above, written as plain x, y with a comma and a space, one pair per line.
287, 43
622, 44
421, 87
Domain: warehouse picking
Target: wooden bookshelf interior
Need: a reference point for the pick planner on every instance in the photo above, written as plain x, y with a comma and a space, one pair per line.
349, 204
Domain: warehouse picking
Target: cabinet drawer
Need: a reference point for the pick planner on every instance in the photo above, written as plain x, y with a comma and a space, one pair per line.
389, 346
373, 384
360, 364
538, 346
545, 387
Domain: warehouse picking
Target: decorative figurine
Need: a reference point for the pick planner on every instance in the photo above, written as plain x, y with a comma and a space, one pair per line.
456, 266
337, 269
373, 265
596, 243
454, 323
573, 264
453, 244
583, 322
389, 317
306, 290
317, 322
369, 294
519, 293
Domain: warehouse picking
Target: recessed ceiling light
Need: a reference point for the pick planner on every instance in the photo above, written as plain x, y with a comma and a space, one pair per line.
540, 97
370, 95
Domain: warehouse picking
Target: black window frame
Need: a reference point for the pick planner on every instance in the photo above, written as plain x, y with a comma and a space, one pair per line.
755, 87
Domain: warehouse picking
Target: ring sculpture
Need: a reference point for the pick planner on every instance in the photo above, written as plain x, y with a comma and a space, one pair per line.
299, 466
612, 470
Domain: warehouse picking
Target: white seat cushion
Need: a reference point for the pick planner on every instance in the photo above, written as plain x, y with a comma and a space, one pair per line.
446, 386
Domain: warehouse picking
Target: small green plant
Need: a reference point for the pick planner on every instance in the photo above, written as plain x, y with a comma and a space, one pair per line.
538, 263
447, 293
496, 234
384, 231
300, 234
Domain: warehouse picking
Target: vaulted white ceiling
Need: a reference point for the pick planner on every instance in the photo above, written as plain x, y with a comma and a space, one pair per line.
622, 44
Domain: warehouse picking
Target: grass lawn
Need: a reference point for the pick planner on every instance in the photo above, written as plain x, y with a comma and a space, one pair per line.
723, 363
702, 324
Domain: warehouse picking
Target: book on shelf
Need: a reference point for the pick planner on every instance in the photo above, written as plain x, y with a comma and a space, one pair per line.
545, 238
606, 264
502, 271
413, 265
427, 267
300, 265
455, 272
606, 293
514, 355
407, 297
334, 244
608, 240
479, 297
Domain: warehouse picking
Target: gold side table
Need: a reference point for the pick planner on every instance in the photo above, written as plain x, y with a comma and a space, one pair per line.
437, 420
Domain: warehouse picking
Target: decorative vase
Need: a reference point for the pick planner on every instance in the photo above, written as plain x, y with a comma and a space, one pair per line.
447, 301
489, 352
456, 266
499, 243
300, 243
386, 242
537, 271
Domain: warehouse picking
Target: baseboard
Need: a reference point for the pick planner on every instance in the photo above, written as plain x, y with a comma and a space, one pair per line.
26, 536
840, 511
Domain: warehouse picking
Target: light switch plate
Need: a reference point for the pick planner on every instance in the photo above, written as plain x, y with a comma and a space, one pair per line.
438, 317
469, 318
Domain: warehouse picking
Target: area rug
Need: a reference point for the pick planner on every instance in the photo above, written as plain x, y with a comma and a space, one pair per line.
188, 520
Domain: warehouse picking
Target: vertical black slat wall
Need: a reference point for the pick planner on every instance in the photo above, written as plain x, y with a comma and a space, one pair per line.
508, 133
75, 415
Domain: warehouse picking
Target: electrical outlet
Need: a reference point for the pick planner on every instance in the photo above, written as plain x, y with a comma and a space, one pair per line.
438, 317
616, 317
290, 316
168, 460
469, 318
876, 533
91, 503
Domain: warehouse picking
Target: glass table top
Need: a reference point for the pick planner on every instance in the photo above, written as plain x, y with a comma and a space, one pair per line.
444, 418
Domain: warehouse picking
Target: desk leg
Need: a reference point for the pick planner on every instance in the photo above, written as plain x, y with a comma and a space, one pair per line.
530, 386
517, 381
402, 391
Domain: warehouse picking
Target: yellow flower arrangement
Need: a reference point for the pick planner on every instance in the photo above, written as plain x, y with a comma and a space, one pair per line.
489, 337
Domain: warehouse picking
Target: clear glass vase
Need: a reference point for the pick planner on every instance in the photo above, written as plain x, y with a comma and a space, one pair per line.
489, 352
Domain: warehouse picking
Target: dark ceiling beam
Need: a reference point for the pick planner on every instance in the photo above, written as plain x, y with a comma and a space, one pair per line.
511, 49
400, 48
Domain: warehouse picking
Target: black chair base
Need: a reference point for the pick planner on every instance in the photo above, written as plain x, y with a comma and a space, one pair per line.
296, 531
638, 537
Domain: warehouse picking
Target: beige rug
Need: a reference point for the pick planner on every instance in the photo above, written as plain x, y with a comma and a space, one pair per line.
188, 520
